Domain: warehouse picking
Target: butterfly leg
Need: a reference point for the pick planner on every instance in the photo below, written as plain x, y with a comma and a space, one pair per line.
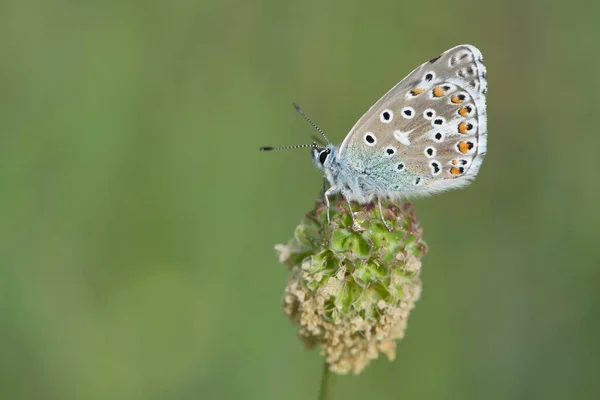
328, 193
352, 215
381, 214
324, 188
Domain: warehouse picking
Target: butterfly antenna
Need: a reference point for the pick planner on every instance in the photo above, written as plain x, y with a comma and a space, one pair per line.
310, 121
298, 146
318, 140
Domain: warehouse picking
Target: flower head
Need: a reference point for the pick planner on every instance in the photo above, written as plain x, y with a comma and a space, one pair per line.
353, 283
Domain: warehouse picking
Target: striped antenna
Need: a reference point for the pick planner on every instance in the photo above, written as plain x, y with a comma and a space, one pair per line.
310, 121
298, 146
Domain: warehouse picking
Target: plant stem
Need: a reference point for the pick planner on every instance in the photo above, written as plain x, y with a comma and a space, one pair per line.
325, 393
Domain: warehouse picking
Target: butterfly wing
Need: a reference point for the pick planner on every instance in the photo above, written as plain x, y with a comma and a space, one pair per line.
428, 133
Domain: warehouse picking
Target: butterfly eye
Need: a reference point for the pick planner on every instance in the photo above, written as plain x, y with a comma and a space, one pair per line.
323, 156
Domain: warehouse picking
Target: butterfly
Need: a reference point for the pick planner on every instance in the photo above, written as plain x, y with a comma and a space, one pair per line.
427, 135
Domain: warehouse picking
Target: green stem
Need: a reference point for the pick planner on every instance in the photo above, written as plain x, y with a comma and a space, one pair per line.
325, 393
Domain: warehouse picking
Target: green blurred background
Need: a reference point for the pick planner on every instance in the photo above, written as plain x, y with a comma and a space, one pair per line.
137, 218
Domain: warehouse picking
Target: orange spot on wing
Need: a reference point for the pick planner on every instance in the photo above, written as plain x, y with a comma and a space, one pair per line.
438, 91
416, 91
464, 147
455, 99
462, 127
464, 111
454, 171
454, 162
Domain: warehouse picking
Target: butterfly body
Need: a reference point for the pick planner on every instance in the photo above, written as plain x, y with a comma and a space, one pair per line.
428, 134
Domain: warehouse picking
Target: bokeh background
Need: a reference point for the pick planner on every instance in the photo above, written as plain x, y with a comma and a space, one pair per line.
138, 219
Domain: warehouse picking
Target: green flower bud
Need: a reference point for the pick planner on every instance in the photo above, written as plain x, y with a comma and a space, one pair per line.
353, 284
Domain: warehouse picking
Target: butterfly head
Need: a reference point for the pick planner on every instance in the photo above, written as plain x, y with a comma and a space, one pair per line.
324, 157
